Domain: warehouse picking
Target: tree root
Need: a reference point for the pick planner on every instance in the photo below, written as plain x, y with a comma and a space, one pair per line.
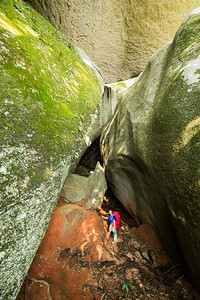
162, 275
146, 259
42, 282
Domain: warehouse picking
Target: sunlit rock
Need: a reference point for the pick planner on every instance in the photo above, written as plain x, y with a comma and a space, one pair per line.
96, 189
73, 234
48, 100
119, 36
151, 146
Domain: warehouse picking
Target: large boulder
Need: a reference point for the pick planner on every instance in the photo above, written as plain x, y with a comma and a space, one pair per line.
97, 186
90, 189
119, 36
48, 104
75, 188
151, 146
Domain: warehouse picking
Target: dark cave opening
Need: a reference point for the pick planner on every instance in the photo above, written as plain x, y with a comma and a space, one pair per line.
91, 155
87, 163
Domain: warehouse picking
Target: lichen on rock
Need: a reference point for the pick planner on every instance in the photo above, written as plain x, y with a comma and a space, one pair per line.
48, 99
151, 146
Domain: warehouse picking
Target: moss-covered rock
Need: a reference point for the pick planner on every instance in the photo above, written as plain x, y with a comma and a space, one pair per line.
48, 97
151, 146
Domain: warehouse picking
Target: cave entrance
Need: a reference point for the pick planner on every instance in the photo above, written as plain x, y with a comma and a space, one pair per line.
91, 156
86, 165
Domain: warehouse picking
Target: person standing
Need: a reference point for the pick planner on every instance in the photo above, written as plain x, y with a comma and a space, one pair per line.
112, 227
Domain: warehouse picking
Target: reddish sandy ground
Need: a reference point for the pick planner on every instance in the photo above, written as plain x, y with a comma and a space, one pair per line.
77, 260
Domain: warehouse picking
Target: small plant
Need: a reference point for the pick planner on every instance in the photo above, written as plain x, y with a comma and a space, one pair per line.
165, 295
185, 295
144, 291
126, 285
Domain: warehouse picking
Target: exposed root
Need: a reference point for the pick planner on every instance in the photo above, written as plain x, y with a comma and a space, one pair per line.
42, 282
146, 259
162, 275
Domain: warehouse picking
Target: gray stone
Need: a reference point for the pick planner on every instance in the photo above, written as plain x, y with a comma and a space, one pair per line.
97, 187
119, 36
151, 146
75, 187
92, 188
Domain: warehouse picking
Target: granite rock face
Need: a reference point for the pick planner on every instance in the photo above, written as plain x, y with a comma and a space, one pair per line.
75, 188
48, 99
119, 36
97, 187
90, 189
151, 146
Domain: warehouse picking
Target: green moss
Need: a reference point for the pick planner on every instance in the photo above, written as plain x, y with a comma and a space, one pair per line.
51, 87
47, 98
47, 92
157, 177
184, 44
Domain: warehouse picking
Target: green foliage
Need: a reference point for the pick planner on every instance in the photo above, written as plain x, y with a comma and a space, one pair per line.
165, 295
144, 291
126, 285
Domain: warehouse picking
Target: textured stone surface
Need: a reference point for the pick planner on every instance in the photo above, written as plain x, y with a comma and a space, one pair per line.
151, 146
48, 98
91, 189
97, 187
119, 36
75, 187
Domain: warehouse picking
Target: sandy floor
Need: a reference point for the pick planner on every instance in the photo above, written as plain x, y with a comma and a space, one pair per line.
77, 260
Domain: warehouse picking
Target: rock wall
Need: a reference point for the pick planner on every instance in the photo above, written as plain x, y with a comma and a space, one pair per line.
48, 102
151, 146
119, 36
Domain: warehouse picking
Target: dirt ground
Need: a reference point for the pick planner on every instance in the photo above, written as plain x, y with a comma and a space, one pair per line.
145, 271
136, 267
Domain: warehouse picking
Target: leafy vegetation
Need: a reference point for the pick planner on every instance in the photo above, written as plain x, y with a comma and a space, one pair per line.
126, 285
